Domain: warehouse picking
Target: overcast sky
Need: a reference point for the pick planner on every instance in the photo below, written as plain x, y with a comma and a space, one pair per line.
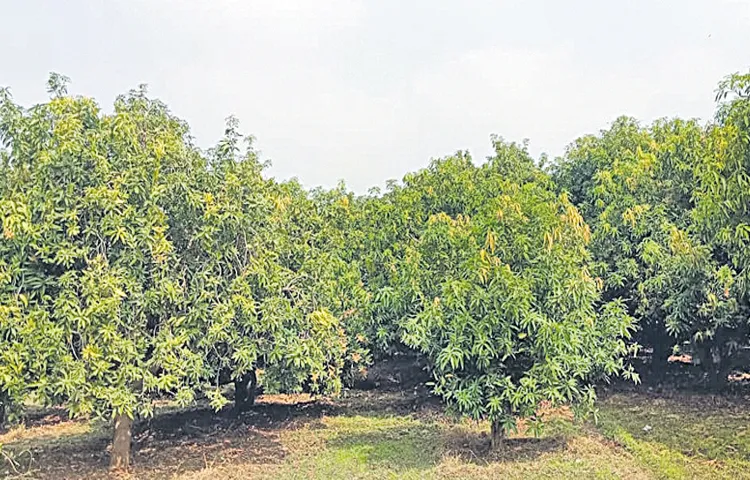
367, 90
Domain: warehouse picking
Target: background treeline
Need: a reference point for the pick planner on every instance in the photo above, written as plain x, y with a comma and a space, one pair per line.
134, 266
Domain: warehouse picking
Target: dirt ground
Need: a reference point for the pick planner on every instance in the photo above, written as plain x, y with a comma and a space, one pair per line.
395, 429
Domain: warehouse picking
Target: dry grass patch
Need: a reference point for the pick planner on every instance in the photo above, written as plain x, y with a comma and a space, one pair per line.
400, 434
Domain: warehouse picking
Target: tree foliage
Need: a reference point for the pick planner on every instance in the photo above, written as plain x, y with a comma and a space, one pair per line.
633, 185
710, 284
668, 207
88, 270
136, 266
500, 298
133, 266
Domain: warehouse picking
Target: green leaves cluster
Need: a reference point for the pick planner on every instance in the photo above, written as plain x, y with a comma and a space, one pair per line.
668, 206
87, 267
134, 266
485, 271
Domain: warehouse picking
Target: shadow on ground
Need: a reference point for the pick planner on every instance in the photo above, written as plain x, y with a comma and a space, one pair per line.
53, 446
179, 442
393, 423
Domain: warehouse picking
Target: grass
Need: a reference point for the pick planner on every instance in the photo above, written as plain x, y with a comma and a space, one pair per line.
378, 435
681, 436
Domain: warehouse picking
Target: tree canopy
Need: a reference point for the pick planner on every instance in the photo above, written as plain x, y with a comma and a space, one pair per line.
668, 208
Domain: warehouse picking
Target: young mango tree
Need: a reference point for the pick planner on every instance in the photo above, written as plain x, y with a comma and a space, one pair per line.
90, 306
505, 306
694, 257
706, 305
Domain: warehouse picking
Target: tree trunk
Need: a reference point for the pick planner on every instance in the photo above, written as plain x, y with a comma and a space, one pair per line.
496, 435
4, 409
662, 349
716, 365
120, 459
244, 391
719, 375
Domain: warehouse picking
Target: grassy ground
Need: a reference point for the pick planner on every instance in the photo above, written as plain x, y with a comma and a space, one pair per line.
401, 434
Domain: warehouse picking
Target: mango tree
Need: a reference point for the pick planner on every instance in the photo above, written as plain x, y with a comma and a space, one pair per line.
504, 303
709, 276
91, 306
254, 279
633, 185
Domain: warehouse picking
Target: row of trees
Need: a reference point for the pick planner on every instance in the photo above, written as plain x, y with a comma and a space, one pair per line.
135, 266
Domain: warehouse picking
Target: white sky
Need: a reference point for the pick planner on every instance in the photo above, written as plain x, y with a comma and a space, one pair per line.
367, 90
